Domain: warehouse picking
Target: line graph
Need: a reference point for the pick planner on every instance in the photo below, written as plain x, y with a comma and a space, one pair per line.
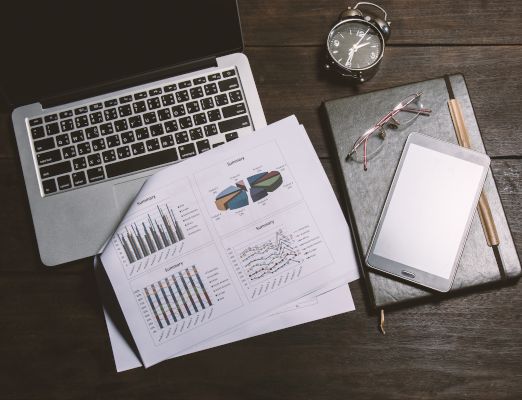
270, 256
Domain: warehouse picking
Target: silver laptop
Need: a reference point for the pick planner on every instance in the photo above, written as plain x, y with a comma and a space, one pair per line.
105, 94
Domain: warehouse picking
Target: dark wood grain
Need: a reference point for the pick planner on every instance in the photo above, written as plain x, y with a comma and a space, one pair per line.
445, 22
53, 340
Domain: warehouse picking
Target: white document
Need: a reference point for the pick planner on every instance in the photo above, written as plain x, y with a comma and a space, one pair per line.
220, 239
328, 304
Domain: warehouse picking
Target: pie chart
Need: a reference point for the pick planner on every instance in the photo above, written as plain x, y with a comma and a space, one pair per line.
259, 185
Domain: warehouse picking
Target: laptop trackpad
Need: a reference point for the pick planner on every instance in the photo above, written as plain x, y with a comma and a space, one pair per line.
125, 192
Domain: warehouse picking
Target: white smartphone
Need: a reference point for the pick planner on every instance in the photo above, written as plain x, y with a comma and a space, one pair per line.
428, 212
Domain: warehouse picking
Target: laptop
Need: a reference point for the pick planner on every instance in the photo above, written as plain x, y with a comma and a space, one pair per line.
105, 93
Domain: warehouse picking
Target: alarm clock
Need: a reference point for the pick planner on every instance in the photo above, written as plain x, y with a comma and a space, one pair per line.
355, 44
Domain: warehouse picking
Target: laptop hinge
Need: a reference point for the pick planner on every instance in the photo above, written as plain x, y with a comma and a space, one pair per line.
129, 82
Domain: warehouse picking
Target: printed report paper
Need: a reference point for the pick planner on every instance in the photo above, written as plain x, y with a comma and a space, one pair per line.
220, 239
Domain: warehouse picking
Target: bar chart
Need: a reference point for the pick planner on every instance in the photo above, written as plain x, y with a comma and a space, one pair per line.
177, 297
157, 230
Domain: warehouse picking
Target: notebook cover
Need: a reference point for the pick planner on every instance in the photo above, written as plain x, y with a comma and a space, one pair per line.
365, 192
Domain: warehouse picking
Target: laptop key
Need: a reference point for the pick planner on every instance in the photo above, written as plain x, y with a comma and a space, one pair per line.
235, 96
44, 144
77, 136
69, 152
185, 122
95, 174
187, 150
233, 110
214, 115
50, 118
207, 103
196, 93
98, 144
233, 124
152, 144
230, 72
150, 118
49, 157
49, 186
167, 141
211, 89
93, 160
231, 136
80, 110
211, 130
154, 103
62, 140
123, 152
79, 178
140, 95
92, 132
167, 100
125, 110
64, 182
53, 128
138, 163
81, 121
192, 107
142, 133
170, 88
109, 156
139, 107
181, 137
127, 137
106, 129
199, 81
121, 125
221, 99
138, 148
96, 106
84, 148
135, 121
35, 121
113, 141
182, 96
55, 169
37, 132
111, 103
156, 130
125, 99
96, 117
203, 145
171, 126
164, 114
66, 114
110, 114
67, 125
154, 92
214, 77
196, 133
185, 84
178, 111
228, 84
79, 163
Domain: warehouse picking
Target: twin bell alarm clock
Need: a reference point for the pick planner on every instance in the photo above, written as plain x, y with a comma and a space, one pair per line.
355, 44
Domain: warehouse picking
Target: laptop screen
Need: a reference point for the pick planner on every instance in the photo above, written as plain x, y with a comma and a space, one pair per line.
55, 47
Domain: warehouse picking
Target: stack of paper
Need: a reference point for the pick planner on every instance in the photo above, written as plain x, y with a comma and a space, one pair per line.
240, 241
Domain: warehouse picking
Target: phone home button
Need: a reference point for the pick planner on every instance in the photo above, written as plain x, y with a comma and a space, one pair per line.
408, 274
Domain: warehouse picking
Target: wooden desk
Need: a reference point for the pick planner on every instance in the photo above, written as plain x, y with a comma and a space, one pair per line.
53, 338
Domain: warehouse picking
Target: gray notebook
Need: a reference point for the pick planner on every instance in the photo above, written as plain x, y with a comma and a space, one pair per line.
365, 191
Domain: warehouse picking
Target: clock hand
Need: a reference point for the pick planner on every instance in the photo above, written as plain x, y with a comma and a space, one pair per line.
350, 57
362, 37
362, 45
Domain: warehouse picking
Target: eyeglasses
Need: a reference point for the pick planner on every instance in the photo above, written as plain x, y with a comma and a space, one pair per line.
399, 116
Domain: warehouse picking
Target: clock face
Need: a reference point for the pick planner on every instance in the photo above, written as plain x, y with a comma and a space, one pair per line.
355, 45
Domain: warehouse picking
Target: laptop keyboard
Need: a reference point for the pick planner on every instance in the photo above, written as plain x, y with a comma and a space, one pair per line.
106, 140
